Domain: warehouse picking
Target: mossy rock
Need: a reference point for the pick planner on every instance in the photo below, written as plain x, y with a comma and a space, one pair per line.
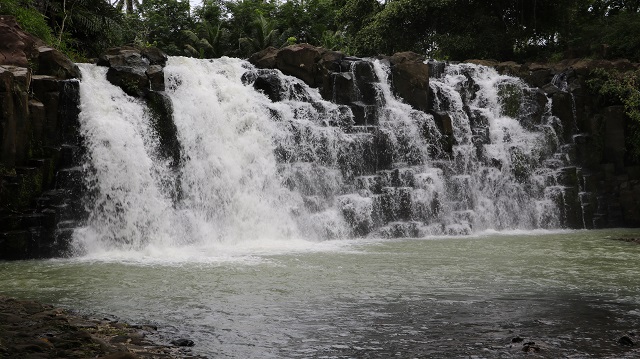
510, 98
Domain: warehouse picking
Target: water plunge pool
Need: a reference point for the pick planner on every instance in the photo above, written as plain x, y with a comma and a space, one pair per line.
573, 293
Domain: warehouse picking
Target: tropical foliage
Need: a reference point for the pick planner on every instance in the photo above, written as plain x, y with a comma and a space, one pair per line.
451, 29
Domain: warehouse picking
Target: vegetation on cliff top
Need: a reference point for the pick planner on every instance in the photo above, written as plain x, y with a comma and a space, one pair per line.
447, 29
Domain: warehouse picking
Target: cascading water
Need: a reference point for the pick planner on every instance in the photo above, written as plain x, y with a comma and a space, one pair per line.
285, 163
503, 136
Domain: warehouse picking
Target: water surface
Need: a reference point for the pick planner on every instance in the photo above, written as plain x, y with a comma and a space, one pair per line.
573, 293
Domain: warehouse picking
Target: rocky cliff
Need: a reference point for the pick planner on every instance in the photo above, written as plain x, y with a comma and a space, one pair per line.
607, 177
41, 181
39, 145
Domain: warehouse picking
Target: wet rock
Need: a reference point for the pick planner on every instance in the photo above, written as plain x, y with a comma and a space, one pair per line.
300, 61
626, 341
120, 356
54, 63
265, 59
411, 79
132, 80
136, 70
530, 347
183, 342
155, 73
271, 85
614, 135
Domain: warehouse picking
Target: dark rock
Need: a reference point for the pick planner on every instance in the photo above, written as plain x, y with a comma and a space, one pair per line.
161, 110
183, 342
154, 55
530, 348
120, 355
614, 135
17, 48
411, 79
517, 340
271, 85
133, 81
124, 56
53, 63
155, 74
626, 341
300, 60
562, 107
265, 59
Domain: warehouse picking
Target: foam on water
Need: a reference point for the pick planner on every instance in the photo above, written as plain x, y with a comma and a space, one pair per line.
262, 177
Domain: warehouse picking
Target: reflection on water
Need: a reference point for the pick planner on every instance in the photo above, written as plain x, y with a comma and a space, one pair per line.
572, 293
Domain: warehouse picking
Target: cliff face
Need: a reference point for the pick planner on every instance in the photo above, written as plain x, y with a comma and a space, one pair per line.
39, 144
599, 136
604, 185
41, 182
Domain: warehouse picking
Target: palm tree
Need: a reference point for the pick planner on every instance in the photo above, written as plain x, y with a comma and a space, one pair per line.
128, 5
264, 35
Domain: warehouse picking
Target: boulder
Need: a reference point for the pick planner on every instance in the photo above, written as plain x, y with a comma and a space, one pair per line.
135, 70
411, 79
18, 48
271, 85
53, 63
133, 81
265, 59
155, 73
300, 60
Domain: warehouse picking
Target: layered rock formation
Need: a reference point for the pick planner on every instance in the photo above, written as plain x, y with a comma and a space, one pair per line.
39, 145
345, 80
41, 182
606, 179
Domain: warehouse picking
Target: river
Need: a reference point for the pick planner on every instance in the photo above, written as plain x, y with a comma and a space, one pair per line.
573, 293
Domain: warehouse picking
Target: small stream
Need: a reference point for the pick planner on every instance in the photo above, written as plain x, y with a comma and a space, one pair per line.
573, 293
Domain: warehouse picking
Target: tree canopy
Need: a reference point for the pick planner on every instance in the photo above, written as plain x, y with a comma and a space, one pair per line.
447, 29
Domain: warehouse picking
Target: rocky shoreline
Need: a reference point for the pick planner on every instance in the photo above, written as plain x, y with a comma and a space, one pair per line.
31, 330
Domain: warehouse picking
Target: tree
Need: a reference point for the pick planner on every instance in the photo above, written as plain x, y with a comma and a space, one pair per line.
127, 5
263, 35
163, 23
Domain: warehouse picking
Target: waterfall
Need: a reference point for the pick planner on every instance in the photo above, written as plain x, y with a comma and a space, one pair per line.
263, 156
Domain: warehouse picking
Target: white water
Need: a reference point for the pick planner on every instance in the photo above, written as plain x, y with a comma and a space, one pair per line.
256, 175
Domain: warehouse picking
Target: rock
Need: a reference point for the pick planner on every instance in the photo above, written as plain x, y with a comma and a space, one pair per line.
132, 80
614, 135
183, 342
17, 48
517, 340
300, 60
155, 73
411, 79
270, 84
136, 70
155, 56
53, 63
120, 355
530, 348
562, 107
265, 59
626, 341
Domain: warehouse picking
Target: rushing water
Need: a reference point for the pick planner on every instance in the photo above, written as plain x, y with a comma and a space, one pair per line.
251, 169
572, 293
263, 239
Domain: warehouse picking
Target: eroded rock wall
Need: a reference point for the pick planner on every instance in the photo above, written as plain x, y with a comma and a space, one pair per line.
39, 145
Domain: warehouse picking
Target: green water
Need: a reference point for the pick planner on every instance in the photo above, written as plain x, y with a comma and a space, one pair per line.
572, 293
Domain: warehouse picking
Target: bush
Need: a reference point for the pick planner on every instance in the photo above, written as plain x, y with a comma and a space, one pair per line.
621, 88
